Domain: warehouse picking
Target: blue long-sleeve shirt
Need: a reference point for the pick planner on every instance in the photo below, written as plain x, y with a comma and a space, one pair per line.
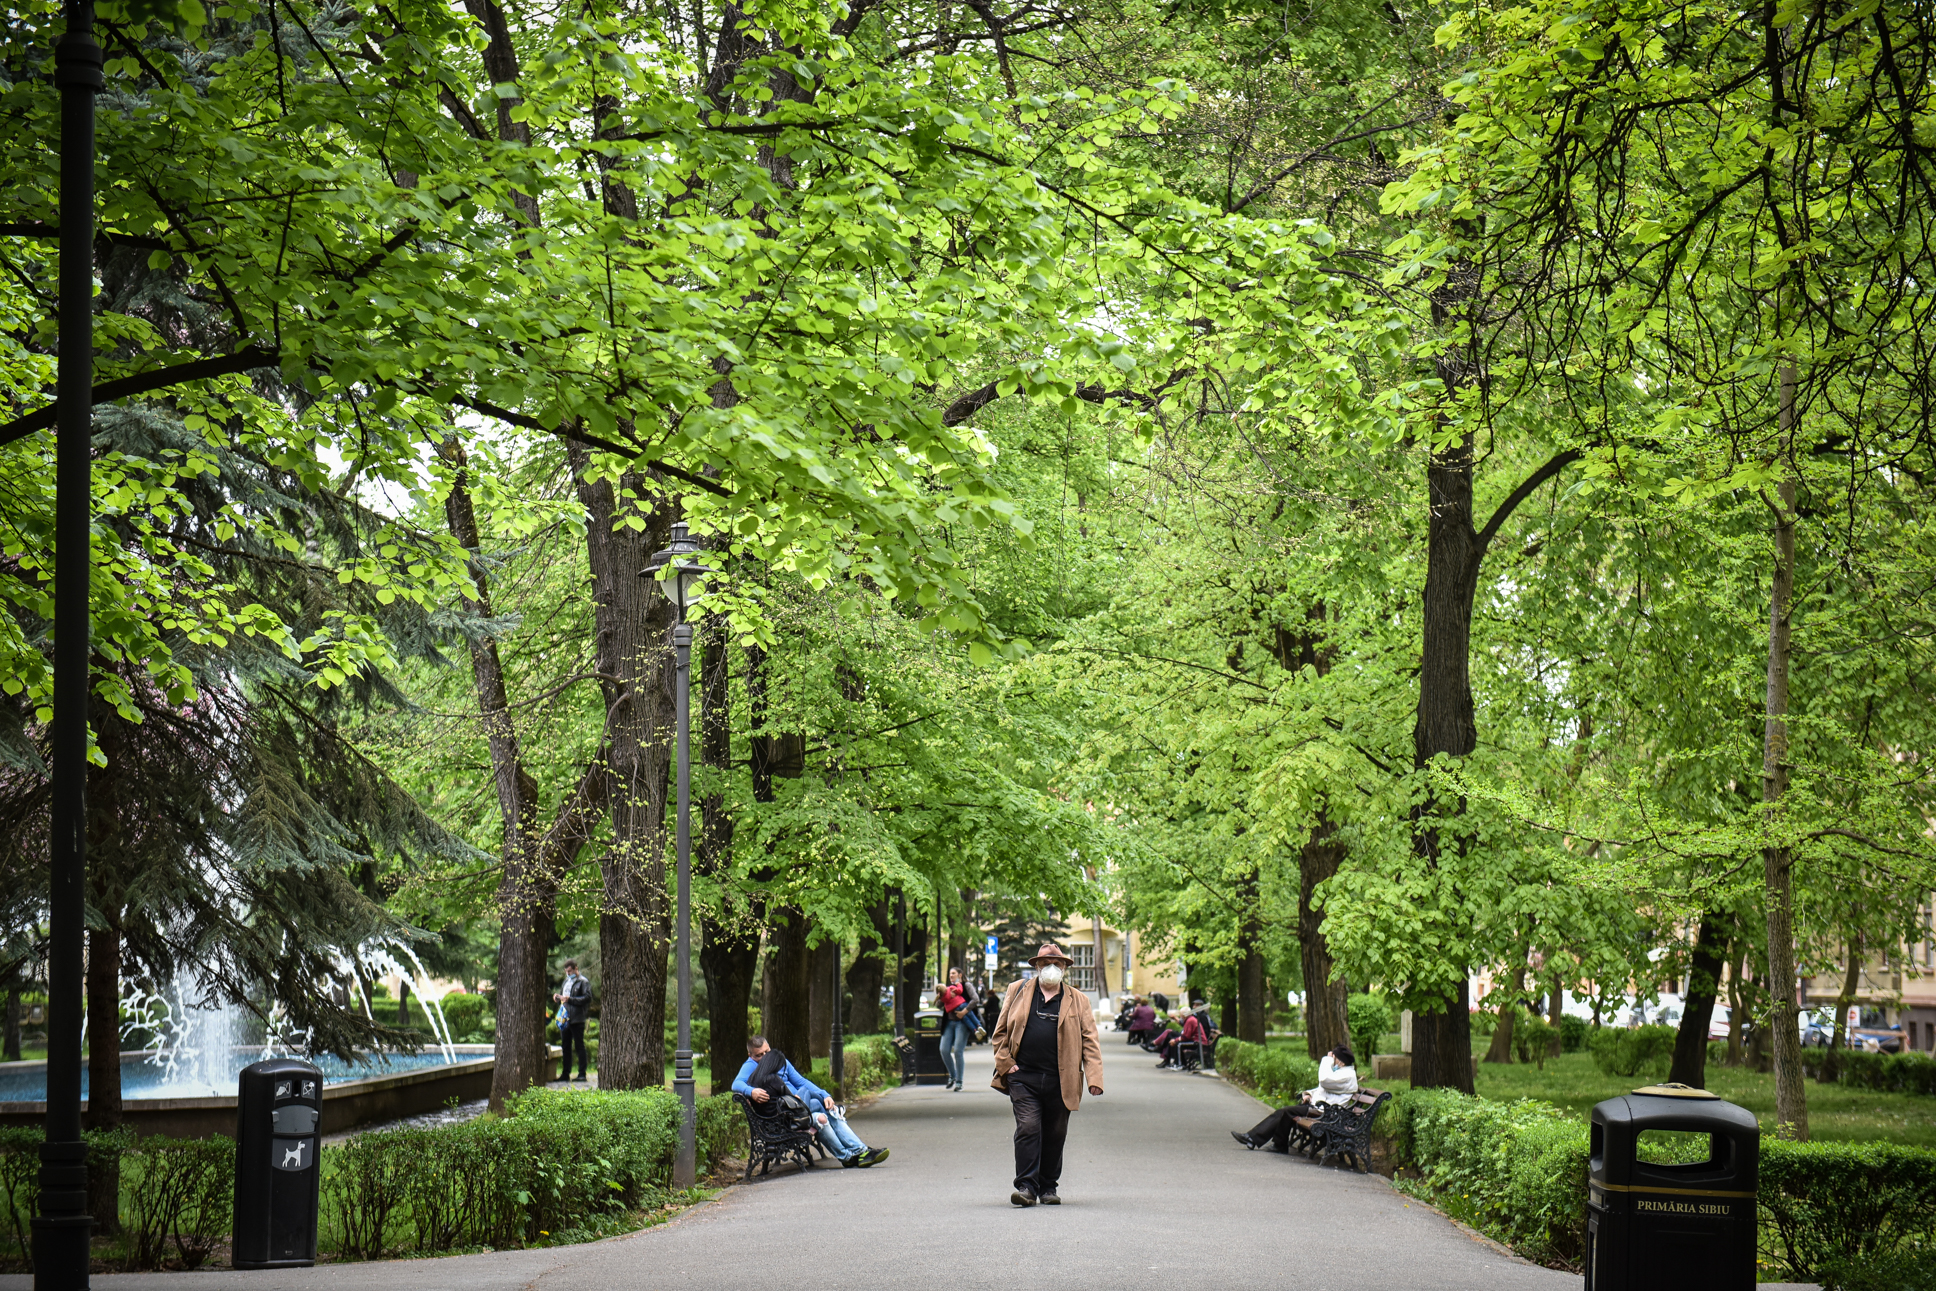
812, 1093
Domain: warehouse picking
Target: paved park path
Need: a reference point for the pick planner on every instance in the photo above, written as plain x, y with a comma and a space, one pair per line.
1156, 1194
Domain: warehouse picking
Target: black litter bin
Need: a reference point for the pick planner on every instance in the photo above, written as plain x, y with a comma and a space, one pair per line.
277, 1176
1656, 1227
926, 1034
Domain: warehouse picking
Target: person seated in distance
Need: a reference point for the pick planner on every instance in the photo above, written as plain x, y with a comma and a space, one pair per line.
766, 1077
1196, 1028
1142, 1021
1337, 1082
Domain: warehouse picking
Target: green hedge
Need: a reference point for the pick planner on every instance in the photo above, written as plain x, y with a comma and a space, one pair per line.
868, 1063
1274, 1075
1517, 1170
1368, 1017
562, 1166
1633, 1051
177, 1192
1892, 1073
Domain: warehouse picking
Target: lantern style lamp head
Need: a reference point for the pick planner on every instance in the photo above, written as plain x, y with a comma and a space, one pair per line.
679, 569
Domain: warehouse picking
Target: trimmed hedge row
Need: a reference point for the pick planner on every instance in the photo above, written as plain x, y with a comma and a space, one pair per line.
1274, 1075
1891, 1073
868, 1062
562, 1166
1518, 1170
178, 1192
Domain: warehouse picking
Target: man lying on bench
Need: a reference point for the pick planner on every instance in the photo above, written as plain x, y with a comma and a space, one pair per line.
1337, 1082
766, 1077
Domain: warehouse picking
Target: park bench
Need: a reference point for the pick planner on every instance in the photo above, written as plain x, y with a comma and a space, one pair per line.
1341, 1129
771, 1139
1193, 1055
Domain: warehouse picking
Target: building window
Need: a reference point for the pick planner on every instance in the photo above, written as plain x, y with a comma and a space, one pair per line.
1083, 974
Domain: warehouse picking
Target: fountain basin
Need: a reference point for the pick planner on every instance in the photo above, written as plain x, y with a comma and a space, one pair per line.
352, 1096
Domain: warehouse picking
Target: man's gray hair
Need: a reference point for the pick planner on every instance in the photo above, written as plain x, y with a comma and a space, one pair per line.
755, 1042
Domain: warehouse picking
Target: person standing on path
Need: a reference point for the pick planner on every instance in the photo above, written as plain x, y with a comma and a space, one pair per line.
1045, 1050
573, 999
957, 1002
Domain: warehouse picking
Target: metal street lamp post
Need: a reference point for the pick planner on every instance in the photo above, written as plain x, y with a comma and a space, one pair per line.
62, 1227
679, 569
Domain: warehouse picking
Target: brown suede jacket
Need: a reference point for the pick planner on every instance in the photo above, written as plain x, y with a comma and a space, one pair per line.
1078, 1052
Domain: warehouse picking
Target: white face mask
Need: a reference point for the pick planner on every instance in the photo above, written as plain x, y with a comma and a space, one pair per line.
1050, 975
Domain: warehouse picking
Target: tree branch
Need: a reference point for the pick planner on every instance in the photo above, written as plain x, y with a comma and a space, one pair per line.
244, 360
1527, 487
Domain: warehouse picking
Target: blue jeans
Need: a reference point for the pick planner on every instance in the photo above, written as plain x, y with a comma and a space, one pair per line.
954, 1048
834, 1133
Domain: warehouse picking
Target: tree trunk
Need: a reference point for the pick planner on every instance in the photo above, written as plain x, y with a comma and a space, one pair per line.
729, 944
866, 974
104, 1068
1442, 1038
788, 965
907, 996
527, 891
403, 1000
1851, 983
632, 657
1501, 1049
1251, 1003
820, 999
1325, 1024
10, 1043
1703, 985
1555, 1010
1791, 1095
1737, 1005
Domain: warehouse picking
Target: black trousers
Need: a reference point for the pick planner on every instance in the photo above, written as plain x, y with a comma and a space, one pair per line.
573, 1033
1277, 1126
1041, 1126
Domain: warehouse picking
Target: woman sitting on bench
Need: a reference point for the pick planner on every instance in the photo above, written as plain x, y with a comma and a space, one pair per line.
1337, 1082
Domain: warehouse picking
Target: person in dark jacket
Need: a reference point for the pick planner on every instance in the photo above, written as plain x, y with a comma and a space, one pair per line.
1142, 1021
573, 999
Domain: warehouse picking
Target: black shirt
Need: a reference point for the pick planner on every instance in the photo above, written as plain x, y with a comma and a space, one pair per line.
1038, 1050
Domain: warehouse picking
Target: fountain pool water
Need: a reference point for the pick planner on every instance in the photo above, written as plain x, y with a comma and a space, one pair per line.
211, 1077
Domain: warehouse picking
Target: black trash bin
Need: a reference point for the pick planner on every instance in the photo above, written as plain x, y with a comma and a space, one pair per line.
1666, 1227
926, 1034
277, 1175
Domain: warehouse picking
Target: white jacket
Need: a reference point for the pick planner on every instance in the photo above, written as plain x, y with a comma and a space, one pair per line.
1335, 1084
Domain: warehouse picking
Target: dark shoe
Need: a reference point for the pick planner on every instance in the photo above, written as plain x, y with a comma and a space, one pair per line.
1244, 1139
1022, 1197
1275, 1146
1049, 1198
874, 1156
848, 1163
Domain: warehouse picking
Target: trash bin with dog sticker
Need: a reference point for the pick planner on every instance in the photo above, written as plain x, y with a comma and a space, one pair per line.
1653, 1226
277, 1176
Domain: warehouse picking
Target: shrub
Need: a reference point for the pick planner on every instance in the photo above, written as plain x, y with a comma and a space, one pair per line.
1844, 1205
1908, 1270
1518, 1169
20, 1172
1573, 1033
1533, 1040
1621, 1051
869, 1062
180, 1193
1892, 1073
1368, 1017
702, 1037
557, 1162
463, 1014
1274, 1075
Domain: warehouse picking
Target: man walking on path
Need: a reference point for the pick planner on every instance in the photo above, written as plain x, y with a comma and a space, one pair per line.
573, 999
1045, 1049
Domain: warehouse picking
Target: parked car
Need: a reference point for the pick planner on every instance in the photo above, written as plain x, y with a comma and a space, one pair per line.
1877, 1039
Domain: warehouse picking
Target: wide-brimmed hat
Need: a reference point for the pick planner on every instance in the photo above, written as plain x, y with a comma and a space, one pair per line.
1050, 951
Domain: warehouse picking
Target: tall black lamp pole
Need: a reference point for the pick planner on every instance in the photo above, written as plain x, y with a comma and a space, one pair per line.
679, 568
62, 1227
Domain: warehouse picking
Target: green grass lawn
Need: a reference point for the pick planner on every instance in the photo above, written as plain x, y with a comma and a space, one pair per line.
1835, 1113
